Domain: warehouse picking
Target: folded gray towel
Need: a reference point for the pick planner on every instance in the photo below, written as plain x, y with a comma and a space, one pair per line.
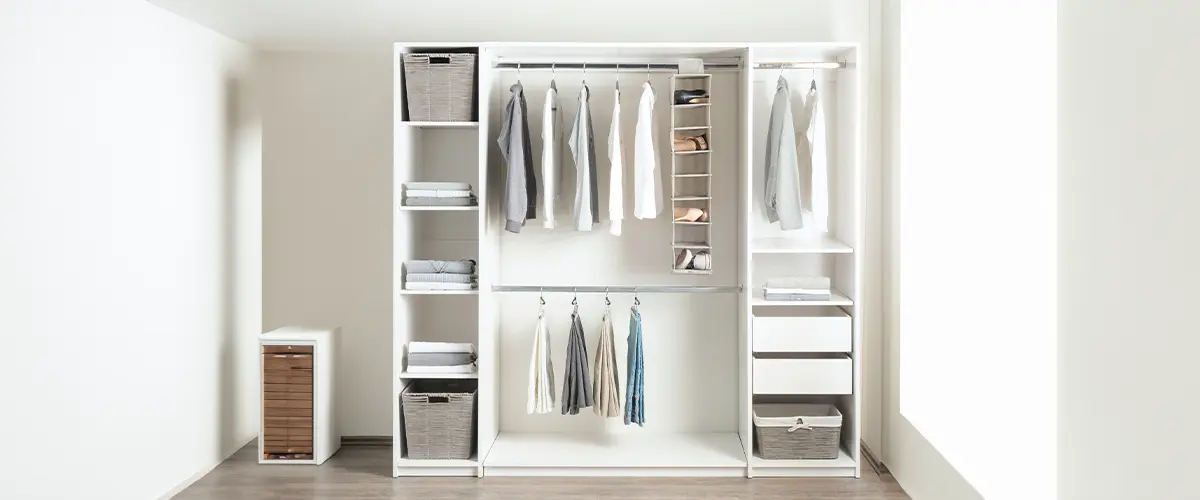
439, 358
422, 201
440, 266
439, 278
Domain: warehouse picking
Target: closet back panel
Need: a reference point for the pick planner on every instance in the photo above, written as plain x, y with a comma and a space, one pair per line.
691, 340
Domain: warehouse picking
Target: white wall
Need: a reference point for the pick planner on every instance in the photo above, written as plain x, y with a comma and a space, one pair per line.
1129, 248
129, 209
327, 233
327, 158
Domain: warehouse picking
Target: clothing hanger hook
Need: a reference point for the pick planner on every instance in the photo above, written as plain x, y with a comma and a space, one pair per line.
518, 71
542, 295
575, 299
585, 73
553, 70
606, 301
647, 72
636, 300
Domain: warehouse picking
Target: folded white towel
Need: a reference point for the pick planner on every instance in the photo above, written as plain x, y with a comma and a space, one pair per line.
468, 368
438, 193
437, 185
807, 282
796, 291
424, 285
439, 347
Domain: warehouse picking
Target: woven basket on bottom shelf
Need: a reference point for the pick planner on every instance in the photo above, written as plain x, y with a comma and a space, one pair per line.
797, 431
439, 419
439, 87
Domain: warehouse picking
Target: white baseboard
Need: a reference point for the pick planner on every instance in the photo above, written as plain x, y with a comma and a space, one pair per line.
204, 472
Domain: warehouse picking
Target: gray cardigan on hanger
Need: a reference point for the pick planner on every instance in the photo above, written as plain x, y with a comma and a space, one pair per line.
782, 189
520, 186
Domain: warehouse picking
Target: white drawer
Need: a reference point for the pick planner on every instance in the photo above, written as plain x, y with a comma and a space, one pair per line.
816, 330
804, 376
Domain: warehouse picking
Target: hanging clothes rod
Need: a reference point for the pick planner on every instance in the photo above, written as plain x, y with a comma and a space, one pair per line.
617, 289
631, 67
802, 65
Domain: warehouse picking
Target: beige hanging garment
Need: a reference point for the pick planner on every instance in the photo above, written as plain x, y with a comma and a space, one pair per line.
605, 384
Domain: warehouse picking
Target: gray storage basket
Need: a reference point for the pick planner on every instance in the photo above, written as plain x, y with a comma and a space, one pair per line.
439, 418
797, 431
439, 87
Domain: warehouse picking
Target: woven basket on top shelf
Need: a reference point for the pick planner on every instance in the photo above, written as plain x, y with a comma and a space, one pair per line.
439, 419
439, 87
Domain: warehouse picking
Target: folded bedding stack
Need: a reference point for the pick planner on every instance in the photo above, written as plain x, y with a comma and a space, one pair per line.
797, 288
440, 358
439, 275
438, 194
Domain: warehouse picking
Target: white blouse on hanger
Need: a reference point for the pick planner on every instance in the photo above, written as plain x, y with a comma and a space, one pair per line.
551, 155
616, 176
647, 194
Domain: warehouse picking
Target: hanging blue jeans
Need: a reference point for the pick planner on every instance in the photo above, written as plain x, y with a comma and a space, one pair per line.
635, 403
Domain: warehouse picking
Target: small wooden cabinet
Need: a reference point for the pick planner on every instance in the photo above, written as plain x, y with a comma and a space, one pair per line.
296, 367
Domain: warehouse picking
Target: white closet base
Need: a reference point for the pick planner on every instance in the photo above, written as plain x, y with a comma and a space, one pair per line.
842, 466
448, 468
679, 455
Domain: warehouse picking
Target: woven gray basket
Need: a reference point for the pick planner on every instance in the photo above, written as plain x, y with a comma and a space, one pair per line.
797, 431
439, 418
439, 87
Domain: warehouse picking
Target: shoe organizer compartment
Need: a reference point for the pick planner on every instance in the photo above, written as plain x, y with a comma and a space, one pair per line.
806, 330
812, 374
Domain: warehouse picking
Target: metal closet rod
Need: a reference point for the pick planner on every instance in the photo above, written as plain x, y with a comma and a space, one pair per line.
631, 67
618, 289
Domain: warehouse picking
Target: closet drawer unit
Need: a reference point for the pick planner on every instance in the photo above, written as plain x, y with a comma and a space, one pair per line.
297, 405
808, 376
817, 330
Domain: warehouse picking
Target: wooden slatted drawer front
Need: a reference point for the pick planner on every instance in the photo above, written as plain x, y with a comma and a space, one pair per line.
269, 388
287, 403
274, 395
289, 422
287, 361
275, 433
809, 376
813, 330
288, 412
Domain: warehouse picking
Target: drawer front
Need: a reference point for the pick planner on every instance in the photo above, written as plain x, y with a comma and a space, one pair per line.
287, 349
287, 361
269, 388
288, 412
802, 334
803, 376
289, 422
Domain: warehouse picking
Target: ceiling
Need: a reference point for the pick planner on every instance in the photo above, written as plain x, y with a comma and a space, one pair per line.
376, 24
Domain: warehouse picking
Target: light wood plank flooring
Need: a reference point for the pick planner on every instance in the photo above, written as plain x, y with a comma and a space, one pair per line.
363, 473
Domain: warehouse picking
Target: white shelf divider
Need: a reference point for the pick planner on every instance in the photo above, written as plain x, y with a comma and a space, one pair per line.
439, 292
407, 208
836, 299
809, 243
440, 124
437, 376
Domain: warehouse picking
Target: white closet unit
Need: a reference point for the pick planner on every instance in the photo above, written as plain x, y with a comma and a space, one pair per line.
701, 367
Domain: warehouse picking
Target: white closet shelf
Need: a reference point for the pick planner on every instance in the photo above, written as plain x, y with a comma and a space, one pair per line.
697, 152
842, 466
438, 209
694, 127
697, 105
836, 299
438, 376
690, 198
441, 124
693, 75
692, 175
692, 271
439, 292
459, 468
686, 223
694, 245
808, 243
598, 454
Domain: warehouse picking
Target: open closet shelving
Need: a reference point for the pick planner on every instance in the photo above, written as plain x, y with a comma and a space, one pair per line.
699, 347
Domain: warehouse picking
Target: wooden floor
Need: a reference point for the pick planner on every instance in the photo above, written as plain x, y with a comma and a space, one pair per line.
363, 473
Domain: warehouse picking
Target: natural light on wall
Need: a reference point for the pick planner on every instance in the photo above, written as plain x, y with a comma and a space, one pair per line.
977, 239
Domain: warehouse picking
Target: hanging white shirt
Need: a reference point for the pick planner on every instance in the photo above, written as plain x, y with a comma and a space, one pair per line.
647, 195
551, 156
541, 371
616, 176
820, 162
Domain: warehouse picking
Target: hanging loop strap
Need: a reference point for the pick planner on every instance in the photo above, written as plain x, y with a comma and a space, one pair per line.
799, 425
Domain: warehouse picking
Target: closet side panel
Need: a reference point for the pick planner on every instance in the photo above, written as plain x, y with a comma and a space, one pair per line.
745, 211
488, 412
404, 245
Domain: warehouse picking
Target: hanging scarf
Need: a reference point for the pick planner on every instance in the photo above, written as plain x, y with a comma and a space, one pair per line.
635, 408
541, 370
577, 389
606, 384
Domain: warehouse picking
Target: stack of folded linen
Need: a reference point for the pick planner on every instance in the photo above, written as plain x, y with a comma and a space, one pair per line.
438, 194
439, 275
440, 358
797, 288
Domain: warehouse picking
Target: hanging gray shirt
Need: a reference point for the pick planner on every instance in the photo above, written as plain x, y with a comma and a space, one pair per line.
782, 189
520, 185
583, 148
